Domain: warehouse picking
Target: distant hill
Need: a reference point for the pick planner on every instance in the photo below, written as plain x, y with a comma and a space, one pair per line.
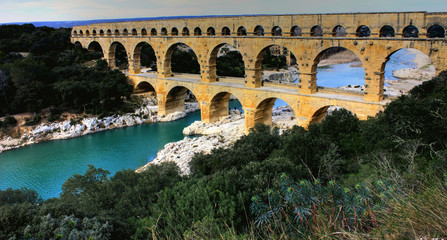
69, 24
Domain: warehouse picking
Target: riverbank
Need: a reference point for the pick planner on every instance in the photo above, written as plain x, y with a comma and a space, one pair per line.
75, 128
220, 134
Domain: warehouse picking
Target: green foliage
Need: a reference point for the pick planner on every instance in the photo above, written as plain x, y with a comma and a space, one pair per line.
24, 195
184, 61
31, 122
52, 73
230, 64
313, 210
270, 62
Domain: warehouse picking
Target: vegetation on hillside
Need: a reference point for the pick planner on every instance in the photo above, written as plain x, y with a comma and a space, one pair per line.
341, 178
40, 68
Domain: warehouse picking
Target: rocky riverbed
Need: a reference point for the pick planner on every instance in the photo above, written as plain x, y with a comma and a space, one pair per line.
209, 136
70, 129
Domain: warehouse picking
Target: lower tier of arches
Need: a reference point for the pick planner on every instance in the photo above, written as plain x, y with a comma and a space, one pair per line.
257, 103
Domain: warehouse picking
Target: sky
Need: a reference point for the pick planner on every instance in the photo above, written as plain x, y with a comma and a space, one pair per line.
68, 10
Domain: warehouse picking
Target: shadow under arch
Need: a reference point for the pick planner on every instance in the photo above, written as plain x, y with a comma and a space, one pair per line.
145, 88
144, 56
319, 115
339, 66
220, 106
226, 60
181, 58
175, 100
78, 44
264, 111
118, 56
95, 46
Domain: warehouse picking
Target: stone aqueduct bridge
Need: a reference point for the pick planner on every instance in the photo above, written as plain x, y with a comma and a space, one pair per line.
372, 36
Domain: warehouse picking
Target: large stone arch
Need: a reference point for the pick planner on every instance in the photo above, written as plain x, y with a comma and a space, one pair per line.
145, 87
174, 99
209, 74
264, 109
136, 56
345, 47
96, 46
78, 44
166, 70
111, 58
317, 112
254, 78
218, 105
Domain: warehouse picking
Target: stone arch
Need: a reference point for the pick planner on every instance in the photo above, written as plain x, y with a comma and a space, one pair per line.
167, 64
120, 61
185, 31
125, 32
214, 69
174, 31
117, 32
81, 33
436, 31
143, 32
78, 44
138, 61
95, 47
410, 31
145, 87
264, 111
260, 56
210, 31
387, 31
87, 33
164, 31
109, 32
324, 78
426, 55
295, 31
218, 107
101, 32
258, 31
276, 31
75, 33
134, 32
321, 112
260, 64
226, 31
153, 32
197, 31
363, 31
175, 100
94, 33
339, 31
242, 31
316, 31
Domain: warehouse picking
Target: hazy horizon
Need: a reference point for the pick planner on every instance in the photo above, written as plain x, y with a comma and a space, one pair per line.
23, 11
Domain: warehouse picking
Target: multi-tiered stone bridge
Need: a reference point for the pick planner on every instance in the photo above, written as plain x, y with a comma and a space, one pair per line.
373, 37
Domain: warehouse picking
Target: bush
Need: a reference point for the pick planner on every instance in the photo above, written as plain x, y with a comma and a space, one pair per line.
10, 120
36, 120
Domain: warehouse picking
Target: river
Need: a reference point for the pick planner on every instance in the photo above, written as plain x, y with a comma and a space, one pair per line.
44, 167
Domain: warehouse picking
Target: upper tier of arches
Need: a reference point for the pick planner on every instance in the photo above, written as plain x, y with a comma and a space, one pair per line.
409, 31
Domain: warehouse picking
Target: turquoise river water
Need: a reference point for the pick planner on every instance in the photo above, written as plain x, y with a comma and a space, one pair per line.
45, 166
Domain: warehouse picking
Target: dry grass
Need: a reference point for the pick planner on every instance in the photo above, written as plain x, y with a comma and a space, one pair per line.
419, 216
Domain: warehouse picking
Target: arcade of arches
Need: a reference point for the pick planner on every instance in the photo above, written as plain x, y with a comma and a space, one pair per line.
373, 44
